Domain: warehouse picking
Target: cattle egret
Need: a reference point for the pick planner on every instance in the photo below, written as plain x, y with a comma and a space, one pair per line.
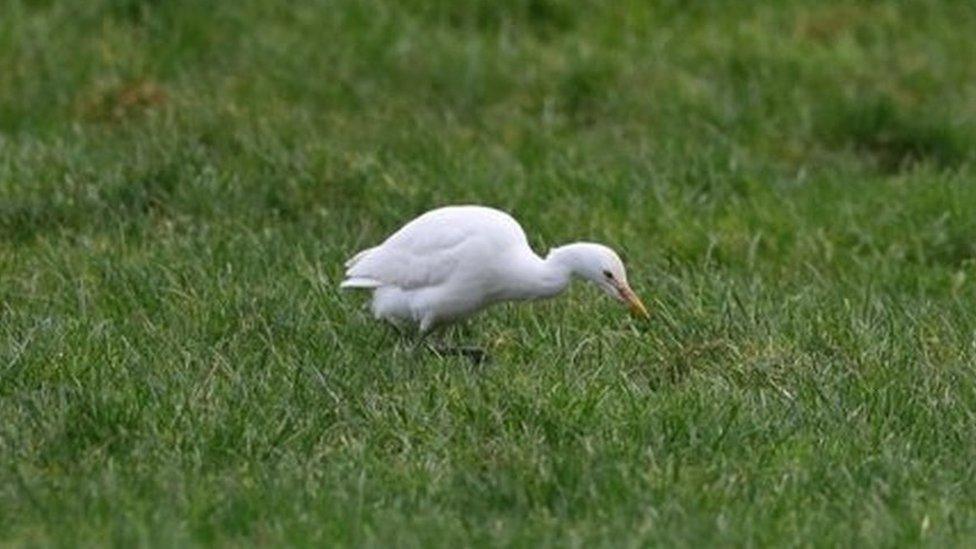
452, 262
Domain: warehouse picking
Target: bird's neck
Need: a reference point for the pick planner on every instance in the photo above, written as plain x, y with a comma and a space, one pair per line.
534, 278
539, 278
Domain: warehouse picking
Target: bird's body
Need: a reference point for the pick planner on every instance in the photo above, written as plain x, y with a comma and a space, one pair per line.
452, 262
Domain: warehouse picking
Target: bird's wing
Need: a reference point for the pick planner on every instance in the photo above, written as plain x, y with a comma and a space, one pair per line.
422, 253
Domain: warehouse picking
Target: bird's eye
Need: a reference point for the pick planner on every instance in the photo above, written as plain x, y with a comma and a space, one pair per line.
608, 274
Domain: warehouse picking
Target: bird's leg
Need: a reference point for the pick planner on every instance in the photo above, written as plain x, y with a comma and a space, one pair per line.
476, 355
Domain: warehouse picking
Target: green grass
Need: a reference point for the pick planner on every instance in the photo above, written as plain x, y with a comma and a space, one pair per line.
791, 183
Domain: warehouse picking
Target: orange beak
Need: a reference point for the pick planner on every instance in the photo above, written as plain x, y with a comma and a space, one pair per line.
633, 302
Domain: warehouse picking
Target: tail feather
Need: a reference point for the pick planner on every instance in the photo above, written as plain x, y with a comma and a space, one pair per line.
358, 257
360, 282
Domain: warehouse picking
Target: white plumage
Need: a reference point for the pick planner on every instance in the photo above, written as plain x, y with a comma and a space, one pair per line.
450, 263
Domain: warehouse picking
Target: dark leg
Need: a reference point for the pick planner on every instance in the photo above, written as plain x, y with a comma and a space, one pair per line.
476, 355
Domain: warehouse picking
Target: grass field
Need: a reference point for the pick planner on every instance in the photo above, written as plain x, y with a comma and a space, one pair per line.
791, 183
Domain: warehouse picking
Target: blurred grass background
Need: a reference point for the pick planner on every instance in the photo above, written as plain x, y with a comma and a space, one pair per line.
791, 184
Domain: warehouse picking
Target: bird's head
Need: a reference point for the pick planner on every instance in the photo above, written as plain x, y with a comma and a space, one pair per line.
603, 267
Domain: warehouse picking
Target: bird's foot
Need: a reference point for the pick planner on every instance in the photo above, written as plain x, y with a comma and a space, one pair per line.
476, 355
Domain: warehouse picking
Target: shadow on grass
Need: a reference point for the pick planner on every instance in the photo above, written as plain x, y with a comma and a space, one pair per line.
145, 195
896, 136
543, 18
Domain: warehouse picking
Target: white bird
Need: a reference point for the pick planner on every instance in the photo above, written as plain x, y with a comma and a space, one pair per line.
452, 262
